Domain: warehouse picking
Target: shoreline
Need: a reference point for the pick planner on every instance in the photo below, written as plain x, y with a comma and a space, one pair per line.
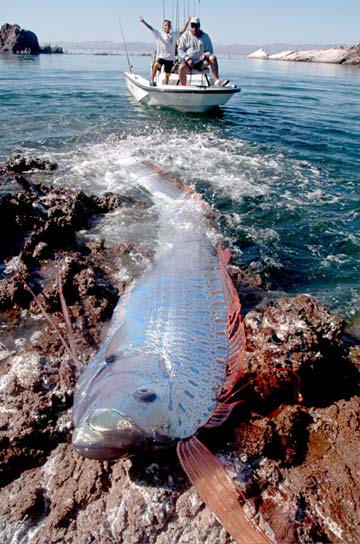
349, 56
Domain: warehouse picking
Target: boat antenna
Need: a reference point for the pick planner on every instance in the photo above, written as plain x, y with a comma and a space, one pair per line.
126, 51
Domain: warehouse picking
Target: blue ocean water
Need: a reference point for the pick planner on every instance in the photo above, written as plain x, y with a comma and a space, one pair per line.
280, 162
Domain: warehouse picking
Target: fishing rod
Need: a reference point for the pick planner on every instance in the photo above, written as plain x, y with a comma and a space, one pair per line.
126, 51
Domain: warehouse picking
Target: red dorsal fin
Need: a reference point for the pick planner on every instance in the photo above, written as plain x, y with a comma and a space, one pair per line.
215, 487
235, 326
221, 413
176, 182
226, 255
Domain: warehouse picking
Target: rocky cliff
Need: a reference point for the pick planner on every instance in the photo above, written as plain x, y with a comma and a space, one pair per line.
14, 39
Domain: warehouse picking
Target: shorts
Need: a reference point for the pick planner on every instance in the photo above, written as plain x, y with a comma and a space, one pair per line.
168, 65
199, 65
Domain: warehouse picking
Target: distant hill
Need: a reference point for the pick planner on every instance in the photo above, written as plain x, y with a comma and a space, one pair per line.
235, 49
245, 49
106, 45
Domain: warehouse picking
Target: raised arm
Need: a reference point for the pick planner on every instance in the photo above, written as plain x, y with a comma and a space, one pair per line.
142, 20
185, 26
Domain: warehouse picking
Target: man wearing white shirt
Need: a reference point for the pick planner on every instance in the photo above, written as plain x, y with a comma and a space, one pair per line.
166, 46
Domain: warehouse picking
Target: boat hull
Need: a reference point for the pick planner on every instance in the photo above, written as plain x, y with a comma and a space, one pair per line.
194, 98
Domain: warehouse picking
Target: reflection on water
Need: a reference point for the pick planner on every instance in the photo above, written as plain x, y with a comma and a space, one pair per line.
19, 59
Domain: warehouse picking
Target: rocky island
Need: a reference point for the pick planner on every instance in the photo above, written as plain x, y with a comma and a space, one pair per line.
15, 40
291, 446
333, 55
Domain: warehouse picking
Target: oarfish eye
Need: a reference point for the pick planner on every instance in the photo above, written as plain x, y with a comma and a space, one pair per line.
110, 359
145, 395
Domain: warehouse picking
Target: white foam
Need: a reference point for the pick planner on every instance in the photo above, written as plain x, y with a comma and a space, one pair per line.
227, 167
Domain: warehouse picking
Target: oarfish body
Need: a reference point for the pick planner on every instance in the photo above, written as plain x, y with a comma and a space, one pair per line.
158, 377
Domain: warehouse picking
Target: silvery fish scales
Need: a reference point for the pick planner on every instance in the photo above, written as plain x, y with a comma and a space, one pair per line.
158, 377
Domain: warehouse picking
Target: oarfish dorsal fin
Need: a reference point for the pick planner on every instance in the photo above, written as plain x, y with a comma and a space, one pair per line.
235, 327
215, 487
221, 414
176, 182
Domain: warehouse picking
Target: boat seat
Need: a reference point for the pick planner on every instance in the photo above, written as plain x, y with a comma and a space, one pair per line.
174, 73
176, 69
204, 71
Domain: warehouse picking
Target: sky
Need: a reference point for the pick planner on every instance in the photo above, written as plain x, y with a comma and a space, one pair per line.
227, 21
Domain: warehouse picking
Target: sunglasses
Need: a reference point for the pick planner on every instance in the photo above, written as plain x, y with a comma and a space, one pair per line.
194, 25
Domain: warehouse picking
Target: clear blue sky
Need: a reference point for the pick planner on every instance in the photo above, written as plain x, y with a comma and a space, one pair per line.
227, 21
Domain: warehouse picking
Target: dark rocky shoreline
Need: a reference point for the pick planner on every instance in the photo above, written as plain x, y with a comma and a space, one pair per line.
296, 462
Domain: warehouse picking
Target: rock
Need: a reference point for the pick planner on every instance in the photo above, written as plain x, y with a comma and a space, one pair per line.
52, 50
353, 55
321, 494
333, 55
296, 342
19, 164
258, 54
14, 39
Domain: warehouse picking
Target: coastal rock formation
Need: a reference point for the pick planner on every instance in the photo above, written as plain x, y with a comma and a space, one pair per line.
334, 55
52, 50
14, 39
291, 447
19, 164
259, 54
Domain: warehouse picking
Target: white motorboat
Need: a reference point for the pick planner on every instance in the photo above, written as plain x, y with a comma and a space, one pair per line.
199, 95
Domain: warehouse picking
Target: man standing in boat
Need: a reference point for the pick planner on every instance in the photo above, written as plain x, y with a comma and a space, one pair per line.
166, 46
196, 52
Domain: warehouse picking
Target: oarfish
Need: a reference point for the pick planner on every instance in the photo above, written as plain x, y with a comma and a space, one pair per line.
173, 354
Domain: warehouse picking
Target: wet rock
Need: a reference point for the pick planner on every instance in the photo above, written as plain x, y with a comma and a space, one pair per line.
20, 163
295, 351
323, 492
43, 221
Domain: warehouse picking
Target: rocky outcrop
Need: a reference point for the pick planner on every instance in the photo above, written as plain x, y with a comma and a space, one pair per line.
259, 54
52, 49
353, 55
291, 446
14, 39
333, 55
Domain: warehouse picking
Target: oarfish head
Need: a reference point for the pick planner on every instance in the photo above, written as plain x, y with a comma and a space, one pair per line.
125, 409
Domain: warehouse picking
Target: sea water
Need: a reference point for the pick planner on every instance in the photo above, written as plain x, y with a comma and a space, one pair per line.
280, 162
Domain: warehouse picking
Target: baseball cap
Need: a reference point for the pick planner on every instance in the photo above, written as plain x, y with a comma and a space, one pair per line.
194, 21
